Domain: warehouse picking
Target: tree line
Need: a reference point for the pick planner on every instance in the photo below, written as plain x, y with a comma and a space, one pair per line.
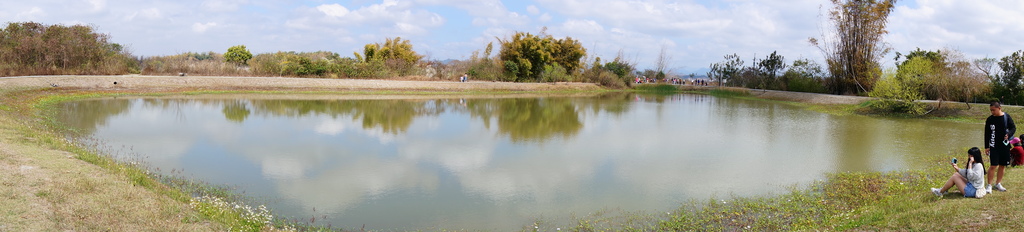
35, 49
853, 48
29, 48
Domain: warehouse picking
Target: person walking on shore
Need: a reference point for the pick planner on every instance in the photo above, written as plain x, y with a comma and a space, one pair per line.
999, 128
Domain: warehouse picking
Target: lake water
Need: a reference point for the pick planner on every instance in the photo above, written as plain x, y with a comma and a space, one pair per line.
500, 162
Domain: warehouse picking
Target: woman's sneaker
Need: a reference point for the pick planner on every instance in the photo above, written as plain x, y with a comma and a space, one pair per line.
989, 189
937, 192
1000, 187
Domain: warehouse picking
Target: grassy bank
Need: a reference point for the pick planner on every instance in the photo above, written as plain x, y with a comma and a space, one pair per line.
861, 200
951, 111
69, 185
52, 184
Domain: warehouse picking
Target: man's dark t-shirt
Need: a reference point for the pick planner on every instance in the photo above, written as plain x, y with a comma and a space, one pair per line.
997, 129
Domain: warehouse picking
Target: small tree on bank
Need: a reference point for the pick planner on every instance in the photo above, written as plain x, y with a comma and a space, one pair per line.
238, 54
727, 69
525, 56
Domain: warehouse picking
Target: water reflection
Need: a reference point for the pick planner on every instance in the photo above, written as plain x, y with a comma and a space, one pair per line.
498, 163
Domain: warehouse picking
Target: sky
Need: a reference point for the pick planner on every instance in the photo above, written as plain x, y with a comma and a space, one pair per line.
693, 33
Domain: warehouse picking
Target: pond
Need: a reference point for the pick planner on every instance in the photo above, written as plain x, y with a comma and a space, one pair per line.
499, 162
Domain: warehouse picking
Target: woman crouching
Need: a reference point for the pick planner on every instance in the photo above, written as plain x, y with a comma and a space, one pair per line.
967, 180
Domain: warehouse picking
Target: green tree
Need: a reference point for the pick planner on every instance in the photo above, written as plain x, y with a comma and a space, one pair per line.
727, 69
395, 49
769, 69
396, 55
1008, 83
621, 68
854, 46
525, 55
238, 54
899, 94
805, 75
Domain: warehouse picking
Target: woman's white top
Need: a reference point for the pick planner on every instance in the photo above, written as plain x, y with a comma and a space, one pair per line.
976, 176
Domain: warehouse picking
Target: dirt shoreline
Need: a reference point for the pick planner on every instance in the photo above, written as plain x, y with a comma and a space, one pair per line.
136, 82
139, 83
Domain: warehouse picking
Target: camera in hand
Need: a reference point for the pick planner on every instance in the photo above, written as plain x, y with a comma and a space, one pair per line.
954, 160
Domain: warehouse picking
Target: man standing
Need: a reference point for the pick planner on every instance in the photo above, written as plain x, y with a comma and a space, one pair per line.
999, 128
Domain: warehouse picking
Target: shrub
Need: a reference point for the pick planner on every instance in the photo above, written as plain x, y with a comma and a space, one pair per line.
805, 84
30, 48
209, 63
897, 95
555, 73
605, 78
237, 54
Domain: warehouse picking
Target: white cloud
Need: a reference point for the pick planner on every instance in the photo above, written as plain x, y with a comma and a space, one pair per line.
150, 13
97, 5
532, 10
703, 31
223, 5
333, 10
979, 28
32, 13
582, 27
389, 18
202, 27
485, 12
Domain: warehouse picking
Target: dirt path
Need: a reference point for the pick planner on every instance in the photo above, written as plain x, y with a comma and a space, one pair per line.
134, 82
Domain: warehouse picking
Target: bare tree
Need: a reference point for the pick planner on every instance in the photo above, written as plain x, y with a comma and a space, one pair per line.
662, 63
954, 78
986, 65
854, 46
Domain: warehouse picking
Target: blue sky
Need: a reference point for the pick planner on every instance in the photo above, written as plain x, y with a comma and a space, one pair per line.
694, 33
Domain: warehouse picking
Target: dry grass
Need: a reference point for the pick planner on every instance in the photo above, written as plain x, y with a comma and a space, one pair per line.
182, 63
47, 189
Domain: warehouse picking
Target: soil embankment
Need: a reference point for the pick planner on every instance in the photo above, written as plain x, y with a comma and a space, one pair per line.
158, 83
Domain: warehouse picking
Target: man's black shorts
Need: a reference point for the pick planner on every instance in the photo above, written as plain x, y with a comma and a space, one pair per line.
999, 156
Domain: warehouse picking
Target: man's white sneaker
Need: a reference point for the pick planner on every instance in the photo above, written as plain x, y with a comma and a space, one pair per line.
1000, 187
989, 189
937, 192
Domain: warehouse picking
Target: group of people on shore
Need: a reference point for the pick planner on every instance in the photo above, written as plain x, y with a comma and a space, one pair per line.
674, 81
999, 144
